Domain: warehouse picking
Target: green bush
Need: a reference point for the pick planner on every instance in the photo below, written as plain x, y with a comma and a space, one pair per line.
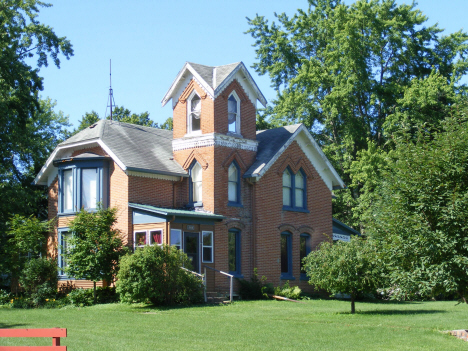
81, 297
39, 279
154, 274
288, 291
106, 295
255, 288
5, 297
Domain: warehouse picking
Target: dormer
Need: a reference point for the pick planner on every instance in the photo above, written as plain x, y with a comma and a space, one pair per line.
209, 100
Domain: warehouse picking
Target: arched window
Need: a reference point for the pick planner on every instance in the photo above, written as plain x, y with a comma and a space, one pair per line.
287, 187
294, 191
194, 113
304, 250
234, 113
286, 256
196, 184
234, 184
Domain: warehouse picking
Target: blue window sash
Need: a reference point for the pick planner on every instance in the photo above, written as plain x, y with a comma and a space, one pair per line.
293, 206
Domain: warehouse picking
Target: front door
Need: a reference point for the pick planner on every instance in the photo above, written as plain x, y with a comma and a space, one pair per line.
191, 245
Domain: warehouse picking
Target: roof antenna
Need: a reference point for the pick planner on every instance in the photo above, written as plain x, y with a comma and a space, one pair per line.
111, 92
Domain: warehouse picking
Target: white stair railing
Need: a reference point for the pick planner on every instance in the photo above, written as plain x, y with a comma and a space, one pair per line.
226, 274
203, 278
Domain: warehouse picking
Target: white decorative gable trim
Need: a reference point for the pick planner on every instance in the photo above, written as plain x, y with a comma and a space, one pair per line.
214, 139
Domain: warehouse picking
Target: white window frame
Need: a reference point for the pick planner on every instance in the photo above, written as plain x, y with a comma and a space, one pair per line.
189, 116
61, 259
238, 119
149, 239
210, 246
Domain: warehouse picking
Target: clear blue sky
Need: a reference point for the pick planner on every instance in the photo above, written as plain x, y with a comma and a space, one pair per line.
149, 42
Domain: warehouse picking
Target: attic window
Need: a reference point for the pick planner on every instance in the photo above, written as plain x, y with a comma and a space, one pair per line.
194, 113
233, 113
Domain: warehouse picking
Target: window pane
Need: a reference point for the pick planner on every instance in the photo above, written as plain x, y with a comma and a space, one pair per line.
299, 198
67, 190
64, 249
89, 188
232, 187
286, 178
284, 253
286, 196
299, 180
232, 104
232, 251
175, 238
195, 112
197, 173
156, 237
207, 238
140, 238
232, 173
233, 125
207, 254
197, 183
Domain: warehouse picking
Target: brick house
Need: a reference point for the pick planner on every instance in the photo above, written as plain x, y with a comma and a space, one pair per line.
231, 197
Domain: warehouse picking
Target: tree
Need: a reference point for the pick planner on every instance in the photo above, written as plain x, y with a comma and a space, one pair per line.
30, 128
167, 124
342, 70
345, 267
122, 114
95, 247
87, 120
25, 239
419, 212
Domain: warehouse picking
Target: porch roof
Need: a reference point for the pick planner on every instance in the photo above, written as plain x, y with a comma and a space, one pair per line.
168, 212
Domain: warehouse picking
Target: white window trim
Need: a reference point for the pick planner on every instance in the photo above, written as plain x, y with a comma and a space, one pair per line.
148, 237
61, 232
238, 119
210, 246
189, 117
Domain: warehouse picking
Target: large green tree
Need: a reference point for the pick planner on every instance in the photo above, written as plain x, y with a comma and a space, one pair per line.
30, 128
419, 211
356, 73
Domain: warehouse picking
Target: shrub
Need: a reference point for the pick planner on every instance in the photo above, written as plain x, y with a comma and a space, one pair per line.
255, 288
154, 274
5, 297
81, 297
287, 291
106, 295
39, 279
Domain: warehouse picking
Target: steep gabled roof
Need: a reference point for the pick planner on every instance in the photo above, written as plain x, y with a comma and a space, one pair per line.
273, 142
132, 147
213, 79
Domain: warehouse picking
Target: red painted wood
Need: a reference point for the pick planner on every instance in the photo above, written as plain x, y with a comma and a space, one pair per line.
55, 341
33, 348
34, 333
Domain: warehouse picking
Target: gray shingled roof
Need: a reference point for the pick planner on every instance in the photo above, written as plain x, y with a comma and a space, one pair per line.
270, 141
219, 72
138, 148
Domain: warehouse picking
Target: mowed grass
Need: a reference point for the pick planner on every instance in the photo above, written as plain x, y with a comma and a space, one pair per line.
256, 325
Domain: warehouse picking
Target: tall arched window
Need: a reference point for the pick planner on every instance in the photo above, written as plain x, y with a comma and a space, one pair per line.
196, 184
304, 250
286, 255
234, 113
194, 113
294, 191
234, 183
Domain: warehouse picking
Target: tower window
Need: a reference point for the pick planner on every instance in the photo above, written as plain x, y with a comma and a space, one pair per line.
233, 113
194, 113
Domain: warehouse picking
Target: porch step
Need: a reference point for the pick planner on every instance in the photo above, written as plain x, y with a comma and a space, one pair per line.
213, 297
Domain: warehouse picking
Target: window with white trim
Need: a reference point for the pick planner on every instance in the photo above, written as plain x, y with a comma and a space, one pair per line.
207, 247
142, 238
89, 195
234, 183
67, 192
176, 238
194, 113
234, 113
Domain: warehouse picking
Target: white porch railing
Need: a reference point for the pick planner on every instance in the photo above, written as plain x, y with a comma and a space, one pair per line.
226, 274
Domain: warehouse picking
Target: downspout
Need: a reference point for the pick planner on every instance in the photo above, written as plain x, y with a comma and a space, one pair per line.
254, 225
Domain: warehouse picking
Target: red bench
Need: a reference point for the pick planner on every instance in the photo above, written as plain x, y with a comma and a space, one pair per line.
54, 333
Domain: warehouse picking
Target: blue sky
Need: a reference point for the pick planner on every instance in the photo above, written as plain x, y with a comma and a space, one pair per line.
149, 42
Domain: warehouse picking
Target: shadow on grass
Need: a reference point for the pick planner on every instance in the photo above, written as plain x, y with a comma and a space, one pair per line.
11, 325
397, 312
153, 308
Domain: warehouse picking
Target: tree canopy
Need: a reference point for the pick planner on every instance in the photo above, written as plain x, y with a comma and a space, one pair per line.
355, 74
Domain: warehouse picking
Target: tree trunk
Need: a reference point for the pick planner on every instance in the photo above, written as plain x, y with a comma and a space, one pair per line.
353, 309
94, 292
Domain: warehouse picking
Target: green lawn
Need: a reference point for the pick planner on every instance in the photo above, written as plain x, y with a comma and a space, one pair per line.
259, 325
